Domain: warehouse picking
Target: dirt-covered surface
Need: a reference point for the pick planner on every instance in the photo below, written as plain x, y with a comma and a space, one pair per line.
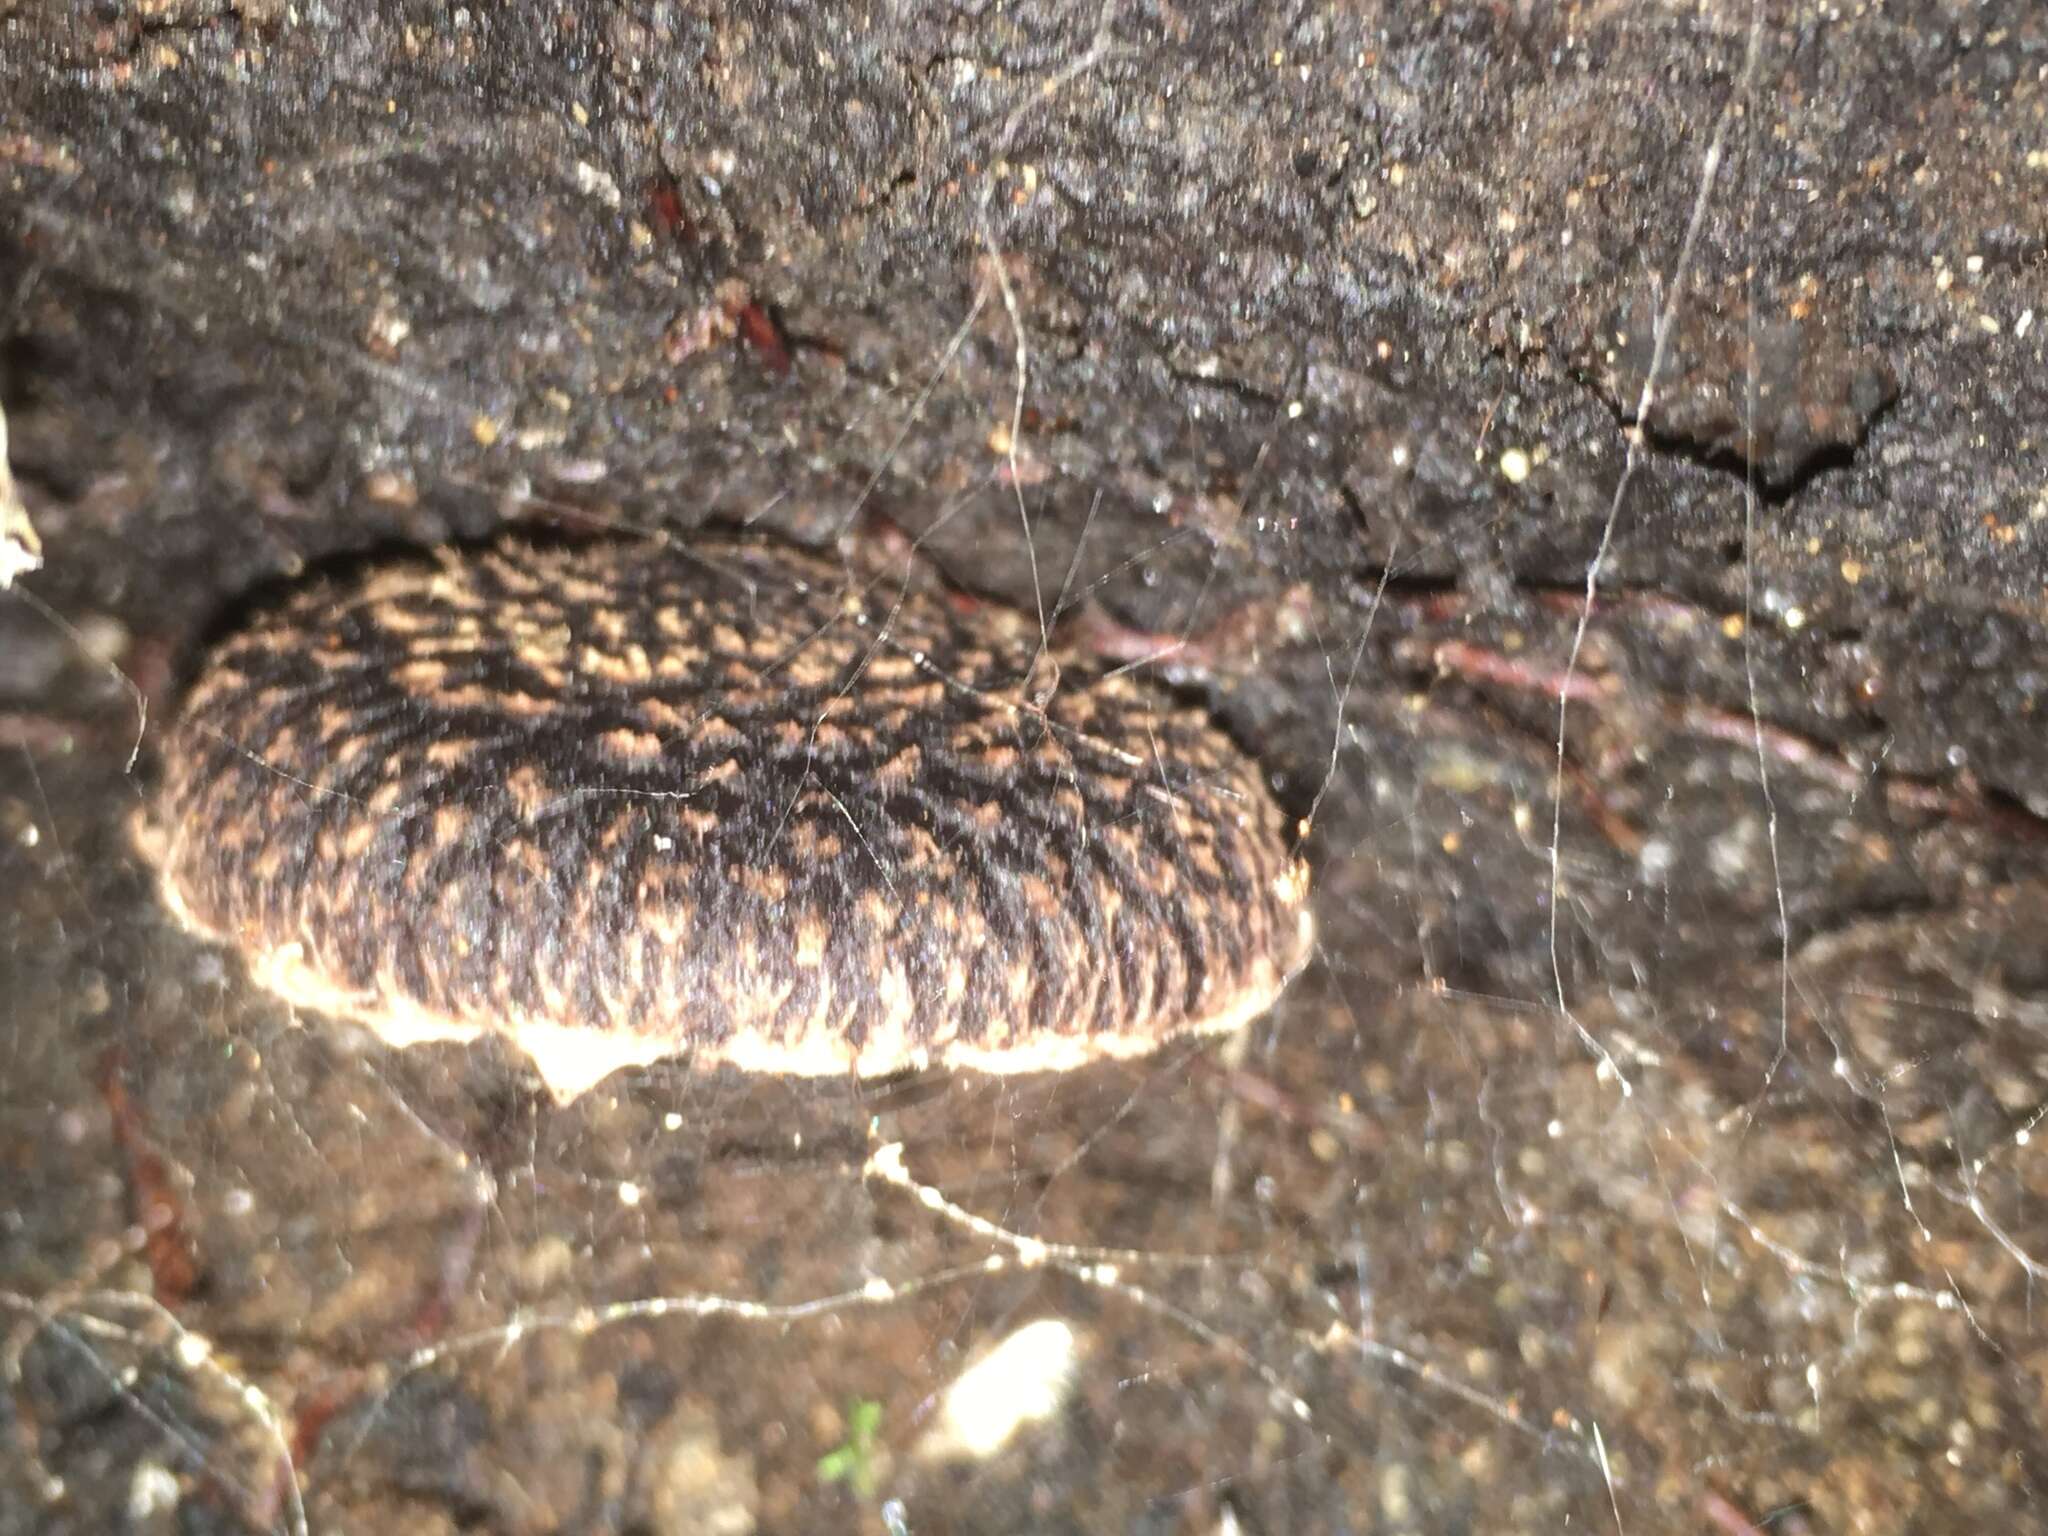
1653, 1144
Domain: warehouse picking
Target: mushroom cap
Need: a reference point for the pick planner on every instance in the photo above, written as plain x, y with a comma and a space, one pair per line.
622, 800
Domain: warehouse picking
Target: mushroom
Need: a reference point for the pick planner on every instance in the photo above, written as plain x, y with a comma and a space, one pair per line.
620, 801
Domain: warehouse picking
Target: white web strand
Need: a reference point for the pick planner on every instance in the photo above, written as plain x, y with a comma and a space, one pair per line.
1097, 50
1637, 436
1749, 499
73, 1317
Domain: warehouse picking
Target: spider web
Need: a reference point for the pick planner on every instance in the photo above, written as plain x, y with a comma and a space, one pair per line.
1641, 1150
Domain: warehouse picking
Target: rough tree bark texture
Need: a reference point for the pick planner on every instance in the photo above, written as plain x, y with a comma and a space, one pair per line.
1316, 353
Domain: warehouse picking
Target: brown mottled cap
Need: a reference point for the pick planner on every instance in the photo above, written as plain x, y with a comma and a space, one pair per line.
622, 801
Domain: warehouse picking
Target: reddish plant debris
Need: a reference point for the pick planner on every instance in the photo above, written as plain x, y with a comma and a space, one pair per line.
153, 1201
665, 210
758, 329
734, 313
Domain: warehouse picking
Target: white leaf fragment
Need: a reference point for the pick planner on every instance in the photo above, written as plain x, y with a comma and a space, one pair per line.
1024, 1380
20, 550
